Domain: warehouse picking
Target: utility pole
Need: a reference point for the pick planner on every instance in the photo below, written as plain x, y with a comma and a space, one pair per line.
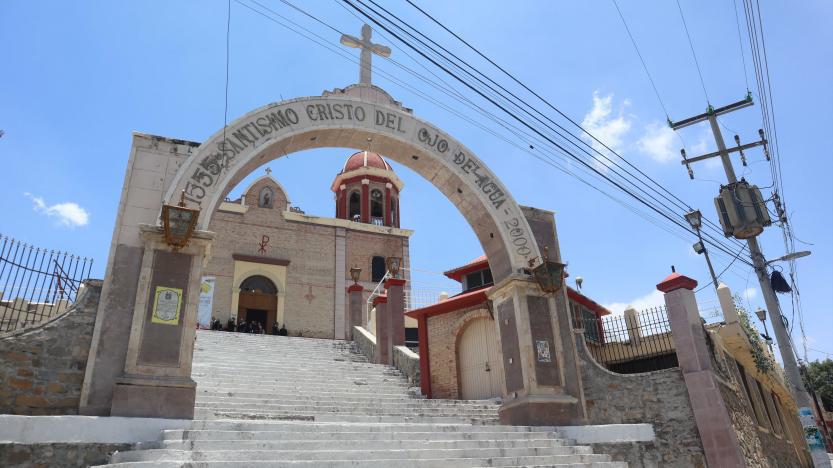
794, 381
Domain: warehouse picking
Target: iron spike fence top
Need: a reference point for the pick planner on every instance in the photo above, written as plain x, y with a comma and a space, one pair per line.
37, 282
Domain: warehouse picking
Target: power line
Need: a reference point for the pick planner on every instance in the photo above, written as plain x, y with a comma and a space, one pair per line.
228, 36
724, 270
515, 116
740, 45
339, 52
694, 55
644, 66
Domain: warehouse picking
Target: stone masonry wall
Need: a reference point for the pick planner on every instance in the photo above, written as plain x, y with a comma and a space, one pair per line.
659, 398
57, 455
768, 446
42, 368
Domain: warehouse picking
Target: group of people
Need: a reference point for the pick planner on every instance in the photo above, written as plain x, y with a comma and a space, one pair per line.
243, 326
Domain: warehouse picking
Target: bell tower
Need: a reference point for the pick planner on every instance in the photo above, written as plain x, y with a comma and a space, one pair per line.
367, 190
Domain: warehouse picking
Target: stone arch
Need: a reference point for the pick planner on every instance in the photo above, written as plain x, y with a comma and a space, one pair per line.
361, 117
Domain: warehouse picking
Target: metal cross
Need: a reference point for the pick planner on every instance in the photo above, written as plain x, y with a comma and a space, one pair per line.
368, 49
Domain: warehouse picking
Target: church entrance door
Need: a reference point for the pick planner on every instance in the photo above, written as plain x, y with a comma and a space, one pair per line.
258, 301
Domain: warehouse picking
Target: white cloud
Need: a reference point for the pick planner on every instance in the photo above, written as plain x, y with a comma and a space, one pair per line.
67, 214
658, 142
654, 298
603, 125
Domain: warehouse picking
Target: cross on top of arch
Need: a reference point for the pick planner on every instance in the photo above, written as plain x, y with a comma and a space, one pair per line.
368, 48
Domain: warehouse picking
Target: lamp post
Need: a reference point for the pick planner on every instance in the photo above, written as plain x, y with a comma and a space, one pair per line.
761, 313
355, 273
393, 264
695, 219
549, 274
178, 222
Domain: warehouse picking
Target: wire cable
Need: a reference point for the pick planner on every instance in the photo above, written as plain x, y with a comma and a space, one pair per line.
694, 55
641, 59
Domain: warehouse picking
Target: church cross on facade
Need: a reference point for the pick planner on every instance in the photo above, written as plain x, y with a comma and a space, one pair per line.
368, 49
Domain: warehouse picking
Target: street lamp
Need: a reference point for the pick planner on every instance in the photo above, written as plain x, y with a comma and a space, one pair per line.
178, 222
790, 256
761, 313
393, 264
354, 274
695, 219
549, 274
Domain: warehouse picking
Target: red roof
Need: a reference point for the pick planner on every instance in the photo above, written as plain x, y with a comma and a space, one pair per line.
365, 159
478, 263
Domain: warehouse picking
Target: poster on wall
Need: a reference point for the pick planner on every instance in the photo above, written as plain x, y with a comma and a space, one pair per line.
167, 303
206, 302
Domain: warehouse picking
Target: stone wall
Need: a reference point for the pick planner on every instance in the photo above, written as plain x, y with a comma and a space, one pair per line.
659, 398
768, 445
42, 368
365, 343
407, 362
57, 455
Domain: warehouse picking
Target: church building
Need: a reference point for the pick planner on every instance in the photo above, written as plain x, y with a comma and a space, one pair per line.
274, 264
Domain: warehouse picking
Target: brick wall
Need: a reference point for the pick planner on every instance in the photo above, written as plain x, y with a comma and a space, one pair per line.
42, 368
442, 349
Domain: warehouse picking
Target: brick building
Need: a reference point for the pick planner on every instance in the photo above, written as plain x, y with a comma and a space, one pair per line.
273, 263
458, 344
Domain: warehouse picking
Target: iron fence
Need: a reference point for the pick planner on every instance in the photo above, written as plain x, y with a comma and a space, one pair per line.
631, 343
35, 283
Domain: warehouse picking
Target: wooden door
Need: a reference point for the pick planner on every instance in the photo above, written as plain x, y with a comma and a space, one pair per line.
478, 361
258, 301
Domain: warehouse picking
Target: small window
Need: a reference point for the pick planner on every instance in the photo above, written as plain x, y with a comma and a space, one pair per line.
377, 269
258, 284
474, 280
266, 198
487, 277
376, 203
394, 221
355, 208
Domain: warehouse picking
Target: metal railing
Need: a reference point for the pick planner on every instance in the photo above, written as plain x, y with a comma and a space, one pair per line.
36, 284
630, 343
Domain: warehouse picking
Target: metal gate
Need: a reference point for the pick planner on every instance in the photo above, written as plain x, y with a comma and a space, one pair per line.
478, 358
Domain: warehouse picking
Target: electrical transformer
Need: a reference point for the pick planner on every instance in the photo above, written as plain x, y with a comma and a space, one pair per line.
742, 210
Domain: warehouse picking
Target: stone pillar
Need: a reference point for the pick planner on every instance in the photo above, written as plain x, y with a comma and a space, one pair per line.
156, 381
355, 294
543, 383
727, 304
632, 322
365, 200
383, 355
718, 436
396, 312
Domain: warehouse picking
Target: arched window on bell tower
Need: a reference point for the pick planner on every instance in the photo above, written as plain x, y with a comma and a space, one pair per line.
355, 209
377, 207
394, 214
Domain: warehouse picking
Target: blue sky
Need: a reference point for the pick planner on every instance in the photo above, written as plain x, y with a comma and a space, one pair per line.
79, 77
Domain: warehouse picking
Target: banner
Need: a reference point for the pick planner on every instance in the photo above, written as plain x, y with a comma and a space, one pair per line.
206, 302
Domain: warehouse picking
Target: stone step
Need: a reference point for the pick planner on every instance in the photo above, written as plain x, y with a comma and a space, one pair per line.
507, 462
554, 455
347, 409
355, 403
372, 398
374, 445
293, 426
362, 393
340, 417
244, 379
358, 435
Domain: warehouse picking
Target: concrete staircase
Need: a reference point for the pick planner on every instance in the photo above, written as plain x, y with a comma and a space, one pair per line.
283, 402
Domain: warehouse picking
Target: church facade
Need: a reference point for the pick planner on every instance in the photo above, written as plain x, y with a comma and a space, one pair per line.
274, 264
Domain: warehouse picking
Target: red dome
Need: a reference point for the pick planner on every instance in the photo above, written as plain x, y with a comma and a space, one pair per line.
365, 159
